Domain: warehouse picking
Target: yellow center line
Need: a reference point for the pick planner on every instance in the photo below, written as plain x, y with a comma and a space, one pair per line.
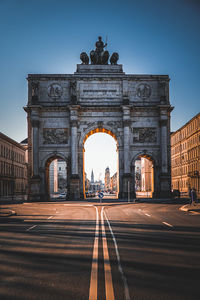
94, 271
107, 268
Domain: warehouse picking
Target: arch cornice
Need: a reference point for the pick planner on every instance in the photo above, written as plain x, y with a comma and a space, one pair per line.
147, 154
52, 155
103, 129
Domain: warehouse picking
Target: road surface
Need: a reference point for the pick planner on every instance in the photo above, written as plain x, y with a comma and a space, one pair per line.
80, 250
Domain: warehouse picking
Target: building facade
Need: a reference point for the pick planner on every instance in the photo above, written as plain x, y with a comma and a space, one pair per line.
63, 110
185, 157
146, 175
13, 167
114, 183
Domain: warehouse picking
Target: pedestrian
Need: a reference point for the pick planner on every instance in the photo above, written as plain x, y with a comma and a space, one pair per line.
193, 196
190, 196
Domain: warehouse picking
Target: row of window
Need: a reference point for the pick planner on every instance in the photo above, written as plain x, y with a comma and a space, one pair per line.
8, 153
7, 169
191, 154
185, 170
9, 188
187, 131
183, 185
193, 141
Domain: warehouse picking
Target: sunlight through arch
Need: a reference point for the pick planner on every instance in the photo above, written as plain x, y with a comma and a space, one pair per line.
100, 149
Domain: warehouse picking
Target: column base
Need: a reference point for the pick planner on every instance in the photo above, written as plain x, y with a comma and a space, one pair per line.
165, 186
34, 195
74, 193
128, 187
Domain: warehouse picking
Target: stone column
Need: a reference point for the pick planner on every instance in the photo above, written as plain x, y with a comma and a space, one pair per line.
127, 177
35, 146
126, 147
35, 181
165, 184
163, 131
74, 177
74, 153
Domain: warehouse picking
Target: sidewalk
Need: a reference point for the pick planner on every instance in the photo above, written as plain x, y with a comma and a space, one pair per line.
191, 207
13, 200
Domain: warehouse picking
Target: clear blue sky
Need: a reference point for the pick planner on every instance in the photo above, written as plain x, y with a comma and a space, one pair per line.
47, 36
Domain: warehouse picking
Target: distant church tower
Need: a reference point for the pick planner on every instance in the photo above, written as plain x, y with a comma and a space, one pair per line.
107, 179
92, 177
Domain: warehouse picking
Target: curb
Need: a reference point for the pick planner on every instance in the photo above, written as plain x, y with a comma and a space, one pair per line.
8, 213
186, 208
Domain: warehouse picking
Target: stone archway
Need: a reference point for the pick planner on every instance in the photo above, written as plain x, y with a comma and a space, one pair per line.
151, 188
64, 109
45, 169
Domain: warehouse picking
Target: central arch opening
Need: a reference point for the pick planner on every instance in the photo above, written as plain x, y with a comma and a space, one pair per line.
100, 164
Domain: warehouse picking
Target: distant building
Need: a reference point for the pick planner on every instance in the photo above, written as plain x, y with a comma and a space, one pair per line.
92, 177
113, 183
146, 175
87, 183
58, 176
107, 179
96, 185
13, 167
185, 157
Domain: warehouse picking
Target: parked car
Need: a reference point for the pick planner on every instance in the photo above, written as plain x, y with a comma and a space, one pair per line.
62, 195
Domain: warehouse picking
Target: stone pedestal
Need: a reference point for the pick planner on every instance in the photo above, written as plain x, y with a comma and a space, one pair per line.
165, 190
35, 189
128, 187
74, 193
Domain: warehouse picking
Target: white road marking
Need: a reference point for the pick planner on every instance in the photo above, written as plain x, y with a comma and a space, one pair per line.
94, 271
147, 215
50, 217
107, 269
31, 227
167, 224
127, 295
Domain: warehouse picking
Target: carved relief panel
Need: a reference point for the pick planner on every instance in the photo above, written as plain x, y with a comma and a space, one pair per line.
144, 135
55, 135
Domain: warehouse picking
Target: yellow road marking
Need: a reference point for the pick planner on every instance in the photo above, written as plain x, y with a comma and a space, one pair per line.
107, 268
94, 272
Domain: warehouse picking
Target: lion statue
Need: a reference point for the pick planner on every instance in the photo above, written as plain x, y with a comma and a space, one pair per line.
114, 58
84, 58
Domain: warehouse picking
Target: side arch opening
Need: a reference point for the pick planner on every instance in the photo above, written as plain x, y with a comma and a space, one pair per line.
144, 175
56, 177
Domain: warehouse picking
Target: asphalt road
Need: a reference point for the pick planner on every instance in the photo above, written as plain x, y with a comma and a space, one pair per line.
72, 250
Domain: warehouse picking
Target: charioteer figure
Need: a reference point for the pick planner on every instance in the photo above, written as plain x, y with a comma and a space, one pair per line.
99, 56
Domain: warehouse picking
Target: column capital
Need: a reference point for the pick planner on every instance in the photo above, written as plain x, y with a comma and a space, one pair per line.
35, 123
127, 123
74, 123
163, 122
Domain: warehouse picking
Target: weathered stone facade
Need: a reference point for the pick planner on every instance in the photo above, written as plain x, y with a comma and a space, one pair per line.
63, 110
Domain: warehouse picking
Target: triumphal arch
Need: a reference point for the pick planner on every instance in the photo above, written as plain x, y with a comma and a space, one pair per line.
63, 110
